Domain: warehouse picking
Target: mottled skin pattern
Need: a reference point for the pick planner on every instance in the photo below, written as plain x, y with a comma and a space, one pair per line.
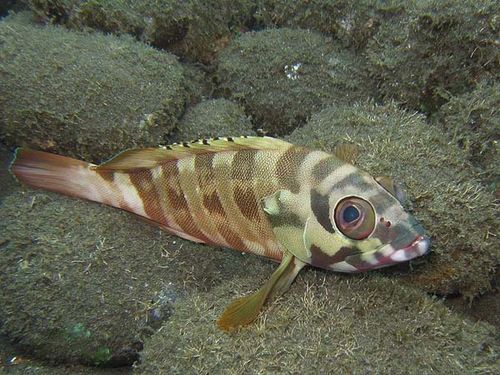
215, 197
254, 194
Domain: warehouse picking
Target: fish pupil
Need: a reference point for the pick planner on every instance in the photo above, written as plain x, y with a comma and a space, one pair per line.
350, 214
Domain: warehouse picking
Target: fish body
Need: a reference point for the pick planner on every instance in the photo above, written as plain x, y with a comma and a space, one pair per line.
253, 194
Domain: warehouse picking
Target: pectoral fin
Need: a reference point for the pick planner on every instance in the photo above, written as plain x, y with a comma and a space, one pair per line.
288, 224
244, 310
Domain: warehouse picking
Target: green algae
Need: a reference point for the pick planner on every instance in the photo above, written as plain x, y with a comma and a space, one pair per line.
86, 95
54, 284
420, 52
437, 50
472, 122
7, 6
282, 76
214, 118
353, 23
196, 30
325, 323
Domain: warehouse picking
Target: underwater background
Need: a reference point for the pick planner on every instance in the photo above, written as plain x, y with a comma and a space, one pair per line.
414, 85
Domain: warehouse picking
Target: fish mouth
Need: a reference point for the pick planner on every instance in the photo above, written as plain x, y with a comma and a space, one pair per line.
384, 256
418, 247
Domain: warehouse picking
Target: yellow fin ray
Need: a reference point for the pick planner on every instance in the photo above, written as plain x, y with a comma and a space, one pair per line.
244, 310
347, 152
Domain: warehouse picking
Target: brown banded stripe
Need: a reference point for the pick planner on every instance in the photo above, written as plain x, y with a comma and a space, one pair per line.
243, 165
107, 175
215, 215
216, 196
321, 259
204, 168
176, 205
320, 207
324, 168
232, 238
193, 193
288, 165
245, 199
144, 184
225, 170
205, 179
206, 202
212, 203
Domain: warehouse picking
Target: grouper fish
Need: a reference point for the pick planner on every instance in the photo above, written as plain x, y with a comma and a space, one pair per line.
259, 195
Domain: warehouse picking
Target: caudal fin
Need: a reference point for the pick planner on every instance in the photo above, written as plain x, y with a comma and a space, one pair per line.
51, 172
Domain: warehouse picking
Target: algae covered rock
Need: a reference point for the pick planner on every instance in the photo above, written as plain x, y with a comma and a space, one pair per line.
85, 95
194, 29
197, 30
282, 76
326, 323
447, 192
352, 22
472, 121
198, 84
436, 50
8, 5
84, 283
76, 286
214, 118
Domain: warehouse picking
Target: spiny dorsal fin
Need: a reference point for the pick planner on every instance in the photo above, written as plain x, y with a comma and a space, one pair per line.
147, 158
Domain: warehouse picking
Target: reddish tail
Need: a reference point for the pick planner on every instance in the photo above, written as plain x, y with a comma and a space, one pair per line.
53, 172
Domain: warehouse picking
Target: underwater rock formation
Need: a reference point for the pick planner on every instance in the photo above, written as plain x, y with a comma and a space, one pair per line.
85, 95
282, 76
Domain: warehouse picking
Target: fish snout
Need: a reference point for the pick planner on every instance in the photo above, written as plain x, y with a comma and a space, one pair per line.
418, 247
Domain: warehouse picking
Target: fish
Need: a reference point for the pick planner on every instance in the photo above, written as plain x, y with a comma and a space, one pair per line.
260, 195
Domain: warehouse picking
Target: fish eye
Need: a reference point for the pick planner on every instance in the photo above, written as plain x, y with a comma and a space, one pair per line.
350, 214
354, 217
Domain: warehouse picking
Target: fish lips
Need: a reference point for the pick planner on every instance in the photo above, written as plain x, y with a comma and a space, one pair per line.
418, 247
384, 256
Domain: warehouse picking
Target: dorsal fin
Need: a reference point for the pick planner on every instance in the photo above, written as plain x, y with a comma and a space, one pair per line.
347, 152
147, 158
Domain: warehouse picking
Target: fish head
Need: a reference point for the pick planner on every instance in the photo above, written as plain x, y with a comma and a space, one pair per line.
361, 224
347, 222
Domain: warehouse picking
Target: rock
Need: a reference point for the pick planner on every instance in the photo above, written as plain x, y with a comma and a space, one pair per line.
326, 323
282, 76
214, 118
86, 95
438, 49
472, 121
195, 30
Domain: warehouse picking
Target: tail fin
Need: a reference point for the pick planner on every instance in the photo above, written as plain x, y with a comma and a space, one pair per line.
53, 172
